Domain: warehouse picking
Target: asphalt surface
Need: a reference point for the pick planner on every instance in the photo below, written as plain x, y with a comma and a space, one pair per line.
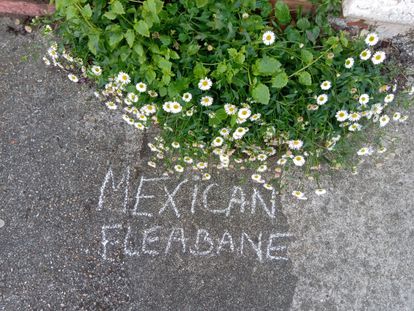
87, 226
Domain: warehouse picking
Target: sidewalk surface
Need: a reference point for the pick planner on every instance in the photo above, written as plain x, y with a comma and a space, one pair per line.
87, 226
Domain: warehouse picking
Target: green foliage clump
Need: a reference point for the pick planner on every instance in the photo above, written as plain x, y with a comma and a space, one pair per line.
232, 78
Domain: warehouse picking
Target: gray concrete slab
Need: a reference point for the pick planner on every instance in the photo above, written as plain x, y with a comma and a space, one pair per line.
68, 244
88, 227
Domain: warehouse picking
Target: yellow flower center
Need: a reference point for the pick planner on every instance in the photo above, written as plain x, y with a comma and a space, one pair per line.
268, 37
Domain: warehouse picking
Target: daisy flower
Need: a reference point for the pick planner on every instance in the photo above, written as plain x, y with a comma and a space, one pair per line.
205, 84
149, 109
257, 178
378, 57
139, 126
224, 132
322, 99
326, 85
403, 119
363, 99
320, 191
377, 108
187, 97
268, 186
46, 61
230, 109
123, 78
341, 115
206, 101
298, 194
176, 107
175, 144
281, 161
141, 87
152, 93
299, 160
365, 54
262, 157
52, 53
217, 142
152, 164
363, 151
312, 107
96, 70
295, 144
372, 39
262, 168
179, 168
206, 176
201, 165
188, 160
111, 105
244, 113
396, 116
239, 132
349, 62
73, 78
381, 150
167, 106
255, 117
389, 98
132, 97
384, 120
355, 127
268, 37
354, 116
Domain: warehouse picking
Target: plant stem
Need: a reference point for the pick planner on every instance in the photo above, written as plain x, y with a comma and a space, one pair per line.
307, 66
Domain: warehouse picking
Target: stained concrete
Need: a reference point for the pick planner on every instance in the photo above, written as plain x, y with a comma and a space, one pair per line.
70, 241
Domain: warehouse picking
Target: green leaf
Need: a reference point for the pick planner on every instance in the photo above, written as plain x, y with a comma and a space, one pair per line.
221, 114
165, 65
266, 66
192, 49
87, 11
313, 34
150, 75
115, 38
344, 40
110, 15
221, 68
201, 3
71, 12
93, 43
200, 71
142, 28
166, 40
282, 13
303, 24
139, 49
280, 80
117, 7
130, 37
238, 57
305, 78
306, 56
233, 120
261, 94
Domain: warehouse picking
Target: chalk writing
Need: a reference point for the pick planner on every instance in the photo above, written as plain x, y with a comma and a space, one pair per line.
160, 241
163, 196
